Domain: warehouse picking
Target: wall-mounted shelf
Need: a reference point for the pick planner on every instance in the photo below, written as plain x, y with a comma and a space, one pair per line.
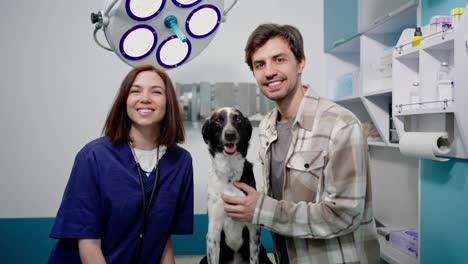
348, 99
376, 143
442, 40
383, 92
430, 112
423, 111
370, 54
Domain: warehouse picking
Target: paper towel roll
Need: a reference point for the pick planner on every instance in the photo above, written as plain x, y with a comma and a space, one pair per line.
426, 145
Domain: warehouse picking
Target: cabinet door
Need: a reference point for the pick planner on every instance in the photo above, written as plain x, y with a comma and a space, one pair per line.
340, 22
373, 12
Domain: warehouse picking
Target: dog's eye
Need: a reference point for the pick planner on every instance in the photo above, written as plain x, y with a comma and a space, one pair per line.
219, 121
236, 118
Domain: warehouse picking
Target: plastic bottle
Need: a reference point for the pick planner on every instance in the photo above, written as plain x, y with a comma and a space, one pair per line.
414, 95
456, 16
434, 24
417, 37
444, 83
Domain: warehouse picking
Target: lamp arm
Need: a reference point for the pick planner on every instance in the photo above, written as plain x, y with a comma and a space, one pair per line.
109, 8
102, 20
97, 41
230, 7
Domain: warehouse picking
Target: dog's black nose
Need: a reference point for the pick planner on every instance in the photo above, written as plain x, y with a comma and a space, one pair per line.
230, 135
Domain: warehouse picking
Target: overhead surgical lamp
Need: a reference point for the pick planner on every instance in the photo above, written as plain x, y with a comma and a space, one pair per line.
167, 33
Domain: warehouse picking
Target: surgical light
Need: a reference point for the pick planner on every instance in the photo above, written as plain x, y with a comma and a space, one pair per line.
166, 33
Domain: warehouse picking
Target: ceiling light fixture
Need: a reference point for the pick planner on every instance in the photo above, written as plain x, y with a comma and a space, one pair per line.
166, 33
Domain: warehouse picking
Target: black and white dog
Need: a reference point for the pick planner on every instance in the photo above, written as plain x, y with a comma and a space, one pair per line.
227, 133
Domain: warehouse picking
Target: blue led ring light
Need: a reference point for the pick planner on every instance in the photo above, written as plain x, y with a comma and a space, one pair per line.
184, 5
139, 18
160, 58
147, 52
194, 12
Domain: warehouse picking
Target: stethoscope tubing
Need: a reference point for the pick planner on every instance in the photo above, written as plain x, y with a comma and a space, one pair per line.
145, 208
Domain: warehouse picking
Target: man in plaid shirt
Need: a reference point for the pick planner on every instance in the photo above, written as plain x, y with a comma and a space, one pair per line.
317, 199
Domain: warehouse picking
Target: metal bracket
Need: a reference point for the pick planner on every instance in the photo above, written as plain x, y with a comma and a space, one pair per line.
399, 108
445, 104
399, 49
444, 30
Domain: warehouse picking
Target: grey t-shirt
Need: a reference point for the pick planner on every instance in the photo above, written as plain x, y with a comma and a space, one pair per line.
279, 150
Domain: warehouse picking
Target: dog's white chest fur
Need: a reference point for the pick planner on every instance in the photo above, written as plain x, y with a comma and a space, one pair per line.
225, 170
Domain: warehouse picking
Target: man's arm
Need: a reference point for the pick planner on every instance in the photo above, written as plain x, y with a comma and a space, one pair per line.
90, 251
342, 202
168, 254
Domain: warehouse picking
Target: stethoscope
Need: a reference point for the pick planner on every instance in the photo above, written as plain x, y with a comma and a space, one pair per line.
143, 199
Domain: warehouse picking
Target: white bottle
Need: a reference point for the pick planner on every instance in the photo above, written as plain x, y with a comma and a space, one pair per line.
414, 95
444, 84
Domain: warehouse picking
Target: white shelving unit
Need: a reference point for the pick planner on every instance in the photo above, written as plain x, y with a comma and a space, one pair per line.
372, 92
342, 60
422, 62
372, 100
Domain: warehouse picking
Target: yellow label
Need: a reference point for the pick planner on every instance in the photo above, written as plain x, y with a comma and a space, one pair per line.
416, 41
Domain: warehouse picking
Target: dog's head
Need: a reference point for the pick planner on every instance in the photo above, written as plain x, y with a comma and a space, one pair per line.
227, 131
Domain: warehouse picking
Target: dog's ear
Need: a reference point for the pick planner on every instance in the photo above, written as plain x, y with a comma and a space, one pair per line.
206, 130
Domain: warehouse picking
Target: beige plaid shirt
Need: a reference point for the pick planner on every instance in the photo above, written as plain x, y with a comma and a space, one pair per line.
326, 212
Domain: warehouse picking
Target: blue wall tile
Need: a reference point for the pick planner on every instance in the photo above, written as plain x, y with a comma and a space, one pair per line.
444, 188
444, 211
26, 240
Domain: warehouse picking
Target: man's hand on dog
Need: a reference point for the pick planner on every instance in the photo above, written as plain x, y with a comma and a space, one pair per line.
241, 208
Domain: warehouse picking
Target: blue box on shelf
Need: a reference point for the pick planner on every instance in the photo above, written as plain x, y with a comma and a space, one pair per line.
405, 240
345, 84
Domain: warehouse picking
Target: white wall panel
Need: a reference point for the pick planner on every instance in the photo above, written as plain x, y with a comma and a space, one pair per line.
58, 86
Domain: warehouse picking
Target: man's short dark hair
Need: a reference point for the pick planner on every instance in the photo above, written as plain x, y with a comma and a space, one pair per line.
265, 32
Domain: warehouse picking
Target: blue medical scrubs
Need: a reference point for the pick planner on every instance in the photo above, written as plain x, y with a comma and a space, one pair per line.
103, 200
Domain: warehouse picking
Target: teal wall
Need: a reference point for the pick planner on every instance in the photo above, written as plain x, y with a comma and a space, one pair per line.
444, 211
444, 188
26, 240
431, 8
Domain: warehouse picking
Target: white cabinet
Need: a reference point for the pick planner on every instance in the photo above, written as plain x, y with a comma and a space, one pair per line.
367, 61
432, 113
372, 13
340, 22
